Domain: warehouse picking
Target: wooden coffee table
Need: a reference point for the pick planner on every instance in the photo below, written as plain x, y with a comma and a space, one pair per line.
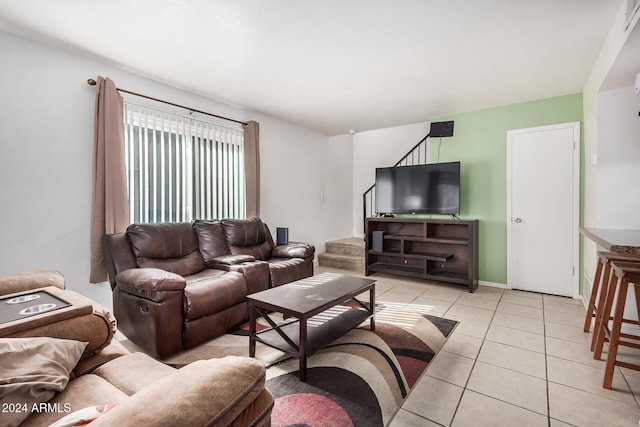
317, 310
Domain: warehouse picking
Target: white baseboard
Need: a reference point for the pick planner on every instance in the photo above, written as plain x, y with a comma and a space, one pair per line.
492, 284
504, 286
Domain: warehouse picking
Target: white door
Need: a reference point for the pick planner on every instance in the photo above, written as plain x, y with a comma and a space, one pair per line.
543, 181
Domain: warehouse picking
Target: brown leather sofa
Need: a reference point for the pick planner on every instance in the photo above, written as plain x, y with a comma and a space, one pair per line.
177, 285
228, 391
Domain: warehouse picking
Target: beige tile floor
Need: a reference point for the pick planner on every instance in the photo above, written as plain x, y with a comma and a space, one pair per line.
516, 359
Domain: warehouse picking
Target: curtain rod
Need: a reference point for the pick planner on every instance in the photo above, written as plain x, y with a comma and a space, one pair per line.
92, 82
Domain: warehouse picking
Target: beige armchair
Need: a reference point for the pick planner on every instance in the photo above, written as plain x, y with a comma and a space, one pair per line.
102, 377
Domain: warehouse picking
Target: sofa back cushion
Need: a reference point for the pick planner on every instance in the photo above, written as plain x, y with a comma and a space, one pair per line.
211, 239
248, 237
170, 246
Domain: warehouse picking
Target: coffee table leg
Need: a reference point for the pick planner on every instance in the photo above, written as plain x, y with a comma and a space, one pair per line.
302, 349
372, 302
252, 329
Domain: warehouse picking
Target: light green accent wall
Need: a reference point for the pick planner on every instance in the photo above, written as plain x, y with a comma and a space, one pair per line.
480, 144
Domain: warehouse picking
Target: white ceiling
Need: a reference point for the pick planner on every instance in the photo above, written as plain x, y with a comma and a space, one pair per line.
336, 65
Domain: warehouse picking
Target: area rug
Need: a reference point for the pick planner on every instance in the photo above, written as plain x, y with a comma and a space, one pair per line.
361, 379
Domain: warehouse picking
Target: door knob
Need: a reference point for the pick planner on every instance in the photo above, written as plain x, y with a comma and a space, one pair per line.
517, 220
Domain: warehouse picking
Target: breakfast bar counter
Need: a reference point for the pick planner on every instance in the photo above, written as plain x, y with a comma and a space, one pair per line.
620, 241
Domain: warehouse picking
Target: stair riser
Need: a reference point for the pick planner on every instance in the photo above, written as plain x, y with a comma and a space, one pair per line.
342, 249
342, 264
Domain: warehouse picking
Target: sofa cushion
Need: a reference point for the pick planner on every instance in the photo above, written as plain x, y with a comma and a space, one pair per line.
203, 329
188, 264
248, 237
244, 232
211, 291
260, 252
212, 392
212, 241
172, 247
82, 392
33, 370
141, 370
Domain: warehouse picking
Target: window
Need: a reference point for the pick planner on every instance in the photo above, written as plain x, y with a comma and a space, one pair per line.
180, 168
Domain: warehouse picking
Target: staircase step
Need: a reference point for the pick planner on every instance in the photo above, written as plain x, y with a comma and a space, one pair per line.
343, 262
350, 246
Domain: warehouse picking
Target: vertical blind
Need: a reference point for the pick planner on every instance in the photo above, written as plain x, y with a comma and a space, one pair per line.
180, 168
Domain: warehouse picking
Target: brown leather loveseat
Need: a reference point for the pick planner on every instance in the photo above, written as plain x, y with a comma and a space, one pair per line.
177, 285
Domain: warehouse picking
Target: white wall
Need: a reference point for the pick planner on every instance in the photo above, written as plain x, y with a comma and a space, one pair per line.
46, 128
606, 59
618, 159
339, 187
379, 148
593, 146
293, 172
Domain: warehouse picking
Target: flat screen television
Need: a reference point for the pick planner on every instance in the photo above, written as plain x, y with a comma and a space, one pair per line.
421, 189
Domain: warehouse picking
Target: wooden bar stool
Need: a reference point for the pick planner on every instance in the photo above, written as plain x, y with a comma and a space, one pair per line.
600, 285
622, 275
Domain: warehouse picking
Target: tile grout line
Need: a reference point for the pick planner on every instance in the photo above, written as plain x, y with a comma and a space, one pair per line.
545, 351
545, 334
423, 374
484, 339
475, 360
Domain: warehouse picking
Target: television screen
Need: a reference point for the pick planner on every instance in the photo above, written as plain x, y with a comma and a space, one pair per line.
421, 189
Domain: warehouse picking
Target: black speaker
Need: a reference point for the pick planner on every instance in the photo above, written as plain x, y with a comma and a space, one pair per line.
441, 129
282, 236
377, 241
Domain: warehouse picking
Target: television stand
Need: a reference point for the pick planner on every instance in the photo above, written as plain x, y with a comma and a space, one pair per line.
444, 250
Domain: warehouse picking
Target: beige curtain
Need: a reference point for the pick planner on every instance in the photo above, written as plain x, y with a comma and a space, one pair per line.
109, 205
252, 168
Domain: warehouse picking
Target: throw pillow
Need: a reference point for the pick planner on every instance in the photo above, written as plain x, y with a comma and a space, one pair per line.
32, 370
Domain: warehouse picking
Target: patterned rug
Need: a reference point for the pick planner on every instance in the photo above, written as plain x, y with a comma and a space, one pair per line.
361, 379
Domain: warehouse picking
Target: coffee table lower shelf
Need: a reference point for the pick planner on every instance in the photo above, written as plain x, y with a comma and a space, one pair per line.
321, 330
318, 335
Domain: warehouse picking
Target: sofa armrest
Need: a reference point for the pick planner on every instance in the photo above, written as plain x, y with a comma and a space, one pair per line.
293, 250
149, 283
256, 273
226, 260
205, 392
29, 281
84, 320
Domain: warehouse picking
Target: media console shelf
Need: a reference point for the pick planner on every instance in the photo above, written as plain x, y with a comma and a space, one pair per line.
434, 249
